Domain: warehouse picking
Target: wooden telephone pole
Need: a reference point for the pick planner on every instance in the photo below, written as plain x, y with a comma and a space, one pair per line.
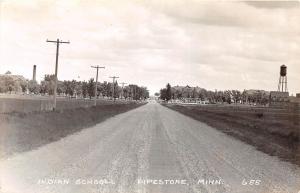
122, 93
97, 67
113, 92
56, 67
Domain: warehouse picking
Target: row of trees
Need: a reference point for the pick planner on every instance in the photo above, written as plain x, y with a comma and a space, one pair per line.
227, 96
74, 88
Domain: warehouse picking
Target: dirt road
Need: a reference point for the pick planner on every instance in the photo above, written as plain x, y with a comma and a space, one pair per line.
149, 149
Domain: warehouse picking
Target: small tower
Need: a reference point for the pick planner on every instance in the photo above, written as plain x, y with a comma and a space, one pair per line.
282, 85
34, 73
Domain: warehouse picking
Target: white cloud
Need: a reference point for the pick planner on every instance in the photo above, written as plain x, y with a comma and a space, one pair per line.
222, 45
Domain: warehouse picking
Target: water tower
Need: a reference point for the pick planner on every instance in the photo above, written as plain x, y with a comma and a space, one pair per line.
282, 85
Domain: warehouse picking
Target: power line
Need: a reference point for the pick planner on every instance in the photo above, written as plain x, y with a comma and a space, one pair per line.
97, 67
114, 77
56, 67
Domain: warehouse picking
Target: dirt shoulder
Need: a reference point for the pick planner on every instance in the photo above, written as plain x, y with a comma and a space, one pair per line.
26, 131
275, 132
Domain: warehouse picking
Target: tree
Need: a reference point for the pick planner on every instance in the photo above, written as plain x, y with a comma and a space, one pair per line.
33, 87
227, 96
116, 90
91, 88
47, 85
78, 88
9, 84
136, 92
194, 93
2, 87
236, 95
84, 88
168, 92
244, 97
24, 85
163, 94
106, 89
61, 89
133, 90
144, 92
70, 87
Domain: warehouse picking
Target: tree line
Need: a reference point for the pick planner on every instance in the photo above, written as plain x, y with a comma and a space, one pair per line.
73, 88
194, 94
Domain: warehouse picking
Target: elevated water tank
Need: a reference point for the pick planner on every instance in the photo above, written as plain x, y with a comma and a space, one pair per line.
282, 70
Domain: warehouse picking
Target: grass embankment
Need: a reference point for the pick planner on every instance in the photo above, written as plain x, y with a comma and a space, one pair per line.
273, 131
26, 131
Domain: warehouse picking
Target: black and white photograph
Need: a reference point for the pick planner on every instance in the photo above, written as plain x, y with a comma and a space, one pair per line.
149, 96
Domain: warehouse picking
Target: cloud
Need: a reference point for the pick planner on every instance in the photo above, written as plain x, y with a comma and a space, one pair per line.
217, 45
274, 4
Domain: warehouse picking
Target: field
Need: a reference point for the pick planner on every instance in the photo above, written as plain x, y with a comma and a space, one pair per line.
28, 103
26, 131
273, 131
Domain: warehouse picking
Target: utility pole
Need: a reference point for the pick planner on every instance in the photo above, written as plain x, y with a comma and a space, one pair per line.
97, 67
114, 77
56, 67
135, 92
122, 93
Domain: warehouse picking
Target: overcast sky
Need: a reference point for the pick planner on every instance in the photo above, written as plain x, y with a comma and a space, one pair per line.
214, 45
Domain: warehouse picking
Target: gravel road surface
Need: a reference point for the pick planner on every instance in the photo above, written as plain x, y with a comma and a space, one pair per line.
148, 149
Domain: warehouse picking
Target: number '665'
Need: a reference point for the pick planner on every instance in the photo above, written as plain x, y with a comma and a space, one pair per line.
251, 182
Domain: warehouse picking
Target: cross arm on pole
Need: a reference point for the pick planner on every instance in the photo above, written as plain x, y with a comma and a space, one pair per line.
123, 83
98, 66
62, 42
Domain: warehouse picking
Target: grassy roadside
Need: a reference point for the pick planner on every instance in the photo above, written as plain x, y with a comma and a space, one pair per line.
275, 133
26, 131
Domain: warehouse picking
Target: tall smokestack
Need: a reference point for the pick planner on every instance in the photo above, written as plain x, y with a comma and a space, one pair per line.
34, 73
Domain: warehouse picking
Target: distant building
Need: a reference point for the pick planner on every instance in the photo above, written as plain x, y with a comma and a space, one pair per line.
8, 73
296, 99
280, 99
278, 96
254, 91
